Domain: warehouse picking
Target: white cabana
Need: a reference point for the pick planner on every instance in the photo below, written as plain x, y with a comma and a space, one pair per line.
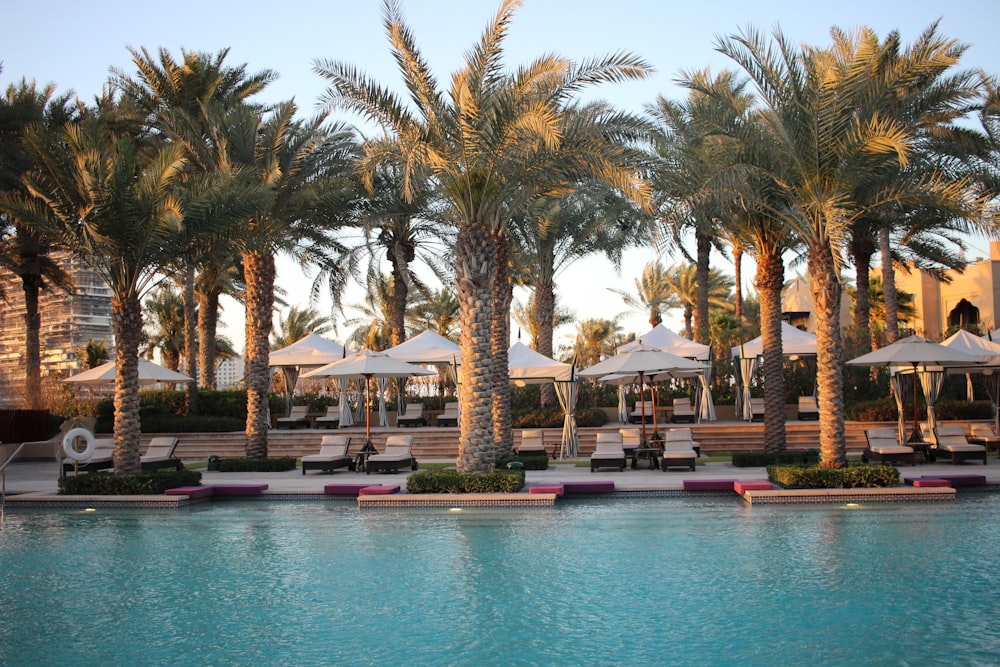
149, 373
986, 351
426, 349
794, 343
525, 366
664, 339
310, 351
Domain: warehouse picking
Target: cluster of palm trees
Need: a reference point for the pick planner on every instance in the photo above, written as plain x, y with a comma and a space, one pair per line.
830, 155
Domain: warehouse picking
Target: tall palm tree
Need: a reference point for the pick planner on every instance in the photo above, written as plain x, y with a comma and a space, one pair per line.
682, 281
302, 167
24, 251
373, 324
596, 339
107, 194
654, 293
221, 273
832, 127
298, 323
490, 145
435, 311
165, 311
184, 100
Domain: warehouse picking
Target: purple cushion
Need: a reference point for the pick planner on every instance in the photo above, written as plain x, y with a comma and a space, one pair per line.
343, 489
708, 484
378, 490
570, 488
961, 480
190, 491
238, 489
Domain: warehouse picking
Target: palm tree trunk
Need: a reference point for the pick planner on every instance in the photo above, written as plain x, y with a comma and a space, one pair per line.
862, 250
208, 323
191, 339
545, 305
260, 273
825, 288
738, 280
704, 243
31, 284
400, 290
770, 280
503, 295
126, 321
688, 314
474, 271
888, 287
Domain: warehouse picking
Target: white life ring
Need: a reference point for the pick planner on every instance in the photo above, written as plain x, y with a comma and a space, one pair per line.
72, 435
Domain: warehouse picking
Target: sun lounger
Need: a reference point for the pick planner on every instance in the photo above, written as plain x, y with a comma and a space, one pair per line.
883, 445
331, 419
808, 408
101, 459
952, 441
608, 452
643, 411
297, 417
982, 434
450, 415
332, 455
160, 454
532, 443
678, 449
683, 412
397, 455
756, 409
412, 416
631, 440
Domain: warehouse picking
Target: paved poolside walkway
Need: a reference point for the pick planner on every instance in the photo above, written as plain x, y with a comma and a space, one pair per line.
41, 478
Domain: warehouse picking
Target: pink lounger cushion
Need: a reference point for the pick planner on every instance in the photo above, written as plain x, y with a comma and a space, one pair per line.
379, 490
741, 486
963, 480
190, 491
930, 482
344, 489
238, 489
557, 489
708, 484
570, 488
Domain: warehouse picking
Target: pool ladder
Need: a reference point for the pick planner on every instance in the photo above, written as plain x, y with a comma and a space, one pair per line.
3, 480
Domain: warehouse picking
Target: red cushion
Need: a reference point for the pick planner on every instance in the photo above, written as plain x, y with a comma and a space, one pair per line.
378, 490
343, 489
752, 485
547, 488
930, 481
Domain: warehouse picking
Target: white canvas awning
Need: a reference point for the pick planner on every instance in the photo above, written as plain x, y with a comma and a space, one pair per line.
664, 339
793, 342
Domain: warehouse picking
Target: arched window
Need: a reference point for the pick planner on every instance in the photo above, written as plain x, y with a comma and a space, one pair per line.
963, 315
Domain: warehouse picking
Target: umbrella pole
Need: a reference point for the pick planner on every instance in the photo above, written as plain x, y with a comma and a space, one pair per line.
642, 397
915, 434
368, 412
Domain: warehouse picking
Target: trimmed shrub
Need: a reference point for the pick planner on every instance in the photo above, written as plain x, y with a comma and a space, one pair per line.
852, 477
529, 462
110, 484
450, 481
761, 459
277, 464
553, 418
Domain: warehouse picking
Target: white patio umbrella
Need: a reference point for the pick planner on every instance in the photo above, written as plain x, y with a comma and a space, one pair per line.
426, 349
641, 361
310, 351
364, 366
916, 353
149, 373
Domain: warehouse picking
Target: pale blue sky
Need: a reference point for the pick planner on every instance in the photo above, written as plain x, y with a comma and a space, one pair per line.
73, 44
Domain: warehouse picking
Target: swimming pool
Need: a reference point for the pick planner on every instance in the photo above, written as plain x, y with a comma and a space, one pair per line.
622, 582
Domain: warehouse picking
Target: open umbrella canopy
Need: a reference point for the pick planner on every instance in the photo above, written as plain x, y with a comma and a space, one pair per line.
149, 373
794, 341
915, 351
526, 366
367, 364
987, 351
664, 339
428, 347
642, 359
308, 352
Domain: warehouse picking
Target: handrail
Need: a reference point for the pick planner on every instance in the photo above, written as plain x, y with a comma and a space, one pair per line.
3, 479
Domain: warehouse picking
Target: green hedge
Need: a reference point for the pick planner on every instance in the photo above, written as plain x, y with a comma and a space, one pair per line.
852, 477
449, 481
761, 459
884, 410
529, 462
277, 464
110, 484
554, 417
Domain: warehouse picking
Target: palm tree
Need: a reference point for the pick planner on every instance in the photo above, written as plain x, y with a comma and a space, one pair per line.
107, 194
165, 310
301, 165
832, 128
596, 339
183, 100
93, 354
682, 281
435, 311
220, 274
373, 326
297, 324
490, 146
26, 252
654, 293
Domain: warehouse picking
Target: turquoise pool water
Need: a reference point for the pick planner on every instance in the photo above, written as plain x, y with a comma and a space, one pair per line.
657, 581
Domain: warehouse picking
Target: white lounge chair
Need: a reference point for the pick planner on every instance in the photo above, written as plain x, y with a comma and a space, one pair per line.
296, 417
332, 455
160, 454
631, 439
331, 419
883, 444
532, 443
412, 416
643, 411
102, 458
952, 441
396, 455
683, 411
608, 452
450, 415
983, 434
678, 449
808, 408
756, 409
